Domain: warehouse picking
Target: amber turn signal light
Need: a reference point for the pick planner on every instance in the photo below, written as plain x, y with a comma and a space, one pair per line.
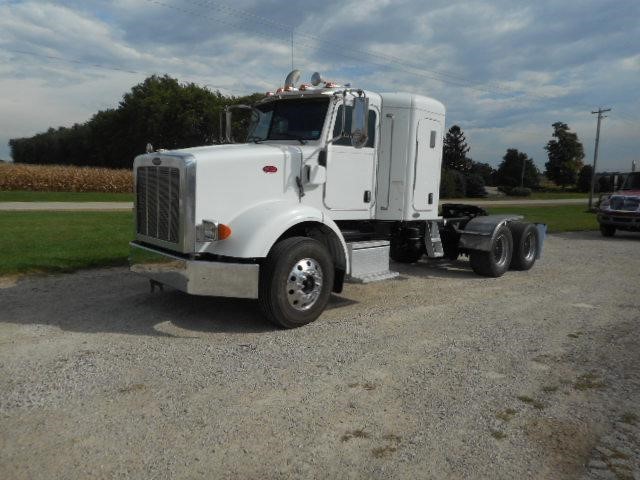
224, 231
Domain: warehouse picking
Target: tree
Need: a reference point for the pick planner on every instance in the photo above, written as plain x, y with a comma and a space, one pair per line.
160, 110
486, 171
455, 149
510, 170
452, 184
565, 154
584, 178
475, 186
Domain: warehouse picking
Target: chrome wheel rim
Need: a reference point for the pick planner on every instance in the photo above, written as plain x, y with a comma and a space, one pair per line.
529, 247
304, 284
500, 250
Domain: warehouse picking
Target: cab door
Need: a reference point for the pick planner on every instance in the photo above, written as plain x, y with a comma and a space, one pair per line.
349, 189
426, 181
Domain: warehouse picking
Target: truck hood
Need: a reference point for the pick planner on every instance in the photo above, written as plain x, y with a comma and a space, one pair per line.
230, 179
245, 151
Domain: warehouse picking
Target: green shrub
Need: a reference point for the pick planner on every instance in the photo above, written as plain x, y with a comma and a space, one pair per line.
520, 192
452, 184
475, 186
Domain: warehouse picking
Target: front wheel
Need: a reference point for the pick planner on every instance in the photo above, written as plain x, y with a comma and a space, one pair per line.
496, 261
607, 230
295, 282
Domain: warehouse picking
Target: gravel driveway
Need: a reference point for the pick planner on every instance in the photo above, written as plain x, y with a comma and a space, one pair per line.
439, 374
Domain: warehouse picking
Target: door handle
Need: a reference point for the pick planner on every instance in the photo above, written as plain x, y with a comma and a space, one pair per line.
367, 196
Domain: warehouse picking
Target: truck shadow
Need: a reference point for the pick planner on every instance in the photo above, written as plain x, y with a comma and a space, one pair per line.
116, 301
436, 269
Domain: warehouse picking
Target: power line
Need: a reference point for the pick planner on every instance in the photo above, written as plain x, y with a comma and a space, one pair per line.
341, 49
110, 68
389, 58
79, 62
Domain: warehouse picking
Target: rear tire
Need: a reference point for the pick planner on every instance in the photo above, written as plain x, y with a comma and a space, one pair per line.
295, 282
525, 245
607, 230
496, 261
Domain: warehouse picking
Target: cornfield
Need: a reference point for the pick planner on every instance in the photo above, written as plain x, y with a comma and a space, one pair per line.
57, 178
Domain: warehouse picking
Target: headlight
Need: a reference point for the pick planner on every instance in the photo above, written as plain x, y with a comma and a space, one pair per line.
210, 230
214, 231
605, 201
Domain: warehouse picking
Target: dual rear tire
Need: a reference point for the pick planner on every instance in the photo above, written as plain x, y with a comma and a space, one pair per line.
514, 246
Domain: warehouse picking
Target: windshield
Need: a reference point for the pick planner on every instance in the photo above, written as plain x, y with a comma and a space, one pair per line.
294, 119
632, 182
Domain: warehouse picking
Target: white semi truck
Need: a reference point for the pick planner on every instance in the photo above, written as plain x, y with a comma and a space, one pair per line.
330, 182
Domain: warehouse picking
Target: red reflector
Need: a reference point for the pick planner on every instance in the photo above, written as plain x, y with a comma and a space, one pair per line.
269, 169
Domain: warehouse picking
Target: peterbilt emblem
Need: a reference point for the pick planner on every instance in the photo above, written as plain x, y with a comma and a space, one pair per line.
156, 161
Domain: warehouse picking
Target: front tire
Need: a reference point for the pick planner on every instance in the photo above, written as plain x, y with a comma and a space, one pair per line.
295, 282
607, 230
496, 261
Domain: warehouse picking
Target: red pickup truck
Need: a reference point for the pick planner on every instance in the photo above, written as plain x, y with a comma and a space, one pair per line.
621, 209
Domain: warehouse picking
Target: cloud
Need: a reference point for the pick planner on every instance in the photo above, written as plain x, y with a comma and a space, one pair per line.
505, 70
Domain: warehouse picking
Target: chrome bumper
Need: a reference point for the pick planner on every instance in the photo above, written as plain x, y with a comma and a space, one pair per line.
196, 277
621, 220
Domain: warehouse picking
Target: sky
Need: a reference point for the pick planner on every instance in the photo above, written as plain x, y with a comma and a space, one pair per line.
505, 70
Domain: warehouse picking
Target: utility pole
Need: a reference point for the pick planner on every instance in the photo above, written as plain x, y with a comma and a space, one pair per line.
600, 111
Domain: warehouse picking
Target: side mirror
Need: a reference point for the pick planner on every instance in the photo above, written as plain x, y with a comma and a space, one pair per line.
360, 122
228, 114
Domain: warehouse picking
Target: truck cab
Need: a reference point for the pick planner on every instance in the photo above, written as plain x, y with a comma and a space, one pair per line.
621, 209
330, 183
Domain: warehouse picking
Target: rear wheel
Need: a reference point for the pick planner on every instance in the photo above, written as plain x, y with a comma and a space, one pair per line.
607, 230
497, 260
295, 282
525, 245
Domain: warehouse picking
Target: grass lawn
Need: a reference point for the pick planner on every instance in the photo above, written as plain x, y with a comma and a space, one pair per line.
63, 241
24, 196
542, 196
559, 218
66, 241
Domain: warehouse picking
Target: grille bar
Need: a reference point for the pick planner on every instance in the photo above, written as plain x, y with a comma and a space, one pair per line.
621, 203
158, 202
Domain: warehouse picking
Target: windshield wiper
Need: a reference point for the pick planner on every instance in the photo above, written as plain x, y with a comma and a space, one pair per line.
294, 137
255, 139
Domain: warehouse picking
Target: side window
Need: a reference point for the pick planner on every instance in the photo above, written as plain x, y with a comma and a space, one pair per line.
371, 141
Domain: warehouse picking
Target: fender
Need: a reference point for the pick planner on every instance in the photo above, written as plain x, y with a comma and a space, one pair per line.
479, 231
255, 230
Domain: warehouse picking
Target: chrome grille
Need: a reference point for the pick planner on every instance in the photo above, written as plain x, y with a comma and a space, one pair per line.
158, 202
630, 204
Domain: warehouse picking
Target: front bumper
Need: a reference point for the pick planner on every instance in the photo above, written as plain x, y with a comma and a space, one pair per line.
620, 220
197, 277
